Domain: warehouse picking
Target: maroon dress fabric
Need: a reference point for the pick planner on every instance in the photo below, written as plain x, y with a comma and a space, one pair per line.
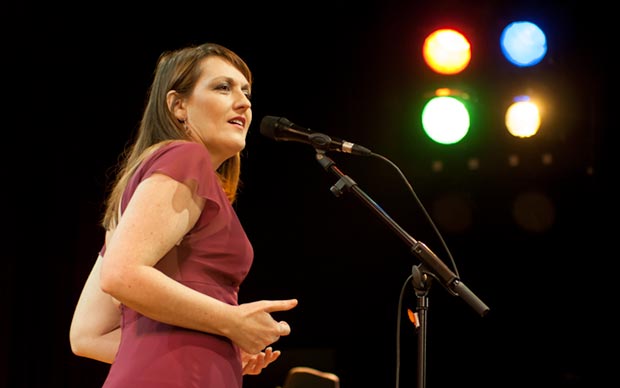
213, 258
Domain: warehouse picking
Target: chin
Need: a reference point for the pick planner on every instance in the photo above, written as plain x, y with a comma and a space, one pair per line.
237, 147
241, 144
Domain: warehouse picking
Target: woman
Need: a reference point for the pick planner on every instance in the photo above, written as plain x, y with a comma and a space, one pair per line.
161, 303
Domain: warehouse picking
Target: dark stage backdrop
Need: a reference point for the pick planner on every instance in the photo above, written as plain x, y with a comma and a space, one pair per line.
76, 83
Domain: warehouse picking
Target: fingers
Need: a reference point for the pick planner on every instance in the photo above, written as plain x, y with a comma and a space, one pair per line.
284, 328
254, 364
280, 305
270, 356
260, 329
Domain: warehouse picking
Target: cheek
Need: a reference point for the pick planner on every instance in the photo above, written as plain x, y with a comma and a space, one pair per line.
208, 104
206, 113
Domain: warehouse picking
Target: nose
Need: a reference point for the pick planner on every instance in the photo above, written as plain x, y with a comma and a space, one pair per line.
242, 100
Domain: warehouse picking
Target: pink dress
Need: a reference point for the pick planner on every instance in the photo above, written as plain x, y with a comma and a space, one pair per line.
213, 258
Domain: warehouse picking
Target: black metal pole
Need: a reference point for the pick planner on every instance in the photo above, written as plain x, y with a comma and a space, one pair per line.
421, 284
431, 262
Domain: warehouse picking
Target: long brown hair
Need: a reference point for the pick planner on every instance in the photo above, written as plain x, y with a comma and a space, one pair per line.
177, 70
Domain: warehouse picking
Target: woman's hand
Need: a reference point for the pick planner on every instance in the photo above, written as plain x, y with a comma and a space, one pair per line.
253, 364
251, 326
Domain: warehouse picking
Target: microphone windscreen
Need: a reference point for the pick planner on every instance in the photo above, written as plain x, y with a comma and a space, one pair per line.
269, 125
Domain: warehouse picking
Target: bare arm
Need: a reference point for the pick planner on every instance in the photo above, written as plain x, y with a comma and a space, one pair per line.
159, 214
95, 327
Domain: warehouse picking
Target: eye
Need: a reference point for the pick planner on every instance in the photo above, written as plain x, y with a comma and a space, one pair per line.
223, 86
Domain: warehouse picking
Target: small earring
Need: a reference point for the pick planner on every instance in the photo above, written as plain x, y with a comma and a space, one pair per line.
185, 126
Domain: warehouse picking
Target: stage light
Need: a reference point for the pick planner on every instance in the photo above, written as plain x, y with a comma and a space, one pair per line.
463, 112
446, 51
523, 43
445, 118
522, 118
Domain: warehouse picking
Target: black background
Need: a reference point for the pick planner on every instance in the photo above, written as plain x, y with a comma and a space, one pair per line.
76, 78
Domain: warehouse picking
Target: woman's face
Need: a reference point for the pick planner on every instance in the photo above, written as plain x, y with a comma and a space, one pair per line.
219, 111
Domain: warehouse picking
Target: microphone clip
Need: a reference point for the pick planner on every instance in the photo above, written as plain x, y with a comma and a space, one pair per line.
320, 141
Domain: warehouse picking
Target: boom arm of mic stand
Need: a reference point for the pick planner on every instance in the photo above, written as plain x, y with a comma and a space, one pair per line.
447, 277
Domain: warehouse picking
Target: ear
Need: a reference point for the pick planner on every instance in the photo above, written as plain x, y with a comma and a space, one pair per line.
176, 105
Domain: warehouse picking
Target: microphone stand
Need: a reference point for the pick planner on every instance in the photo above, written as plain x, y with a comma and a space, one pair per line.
431, 264
421, 284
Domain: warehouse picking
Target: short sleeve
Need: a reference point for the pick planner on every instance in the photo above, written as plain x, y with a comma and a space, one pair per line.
184, 162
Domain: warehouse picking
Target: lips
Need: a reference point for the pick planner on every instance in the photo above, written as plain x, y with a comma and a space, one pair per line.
238, 121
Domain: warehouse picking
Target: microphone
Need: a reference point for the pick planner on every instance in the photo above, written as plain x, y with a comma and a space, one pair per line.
281, 129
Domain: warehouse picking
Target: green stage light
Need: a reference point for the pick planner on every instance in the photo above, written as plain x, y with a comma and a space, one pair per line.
445, 119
